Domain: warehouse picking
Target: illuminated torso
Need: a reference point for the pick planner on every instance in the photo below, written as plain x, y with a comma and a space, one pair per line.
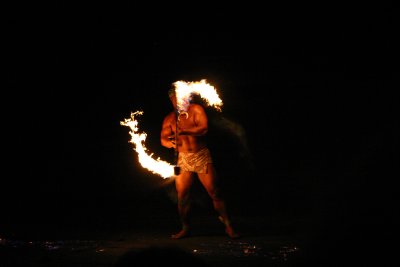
188, 143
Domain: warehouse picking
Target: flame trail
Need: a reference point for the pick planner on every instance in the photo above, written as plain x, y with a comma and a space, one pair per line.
184, 91
157, 166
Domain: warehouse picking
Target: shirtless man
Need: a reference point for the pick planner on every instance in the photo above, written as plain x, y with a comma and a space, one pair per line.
193, 158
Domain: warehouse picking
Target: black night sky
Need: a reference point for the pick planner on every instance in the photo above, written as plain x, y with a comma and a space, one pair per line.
311, 92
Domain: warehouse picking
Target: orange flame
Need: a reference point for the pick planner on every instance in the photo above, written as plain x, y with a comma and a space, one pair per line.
184, 91
157, 166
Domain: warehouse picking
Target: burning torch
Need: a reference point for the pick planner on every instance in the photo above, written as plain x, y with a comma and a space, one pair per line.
177, 169
183, 92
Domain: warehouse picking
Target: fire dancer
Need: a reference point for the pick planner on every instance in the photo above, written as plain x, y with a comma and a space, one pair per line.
185, 131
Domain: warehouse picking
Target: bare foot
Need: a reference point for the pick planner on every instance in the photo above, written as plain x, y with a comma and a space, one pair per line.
228, 229
181, 234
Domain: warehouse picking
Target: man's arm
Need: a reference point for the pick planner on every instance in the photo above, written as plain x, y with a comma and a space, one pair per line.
167, 135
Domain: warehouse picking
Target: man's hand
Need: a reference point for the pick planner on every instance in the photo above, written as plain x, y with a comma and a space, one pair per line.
171, 138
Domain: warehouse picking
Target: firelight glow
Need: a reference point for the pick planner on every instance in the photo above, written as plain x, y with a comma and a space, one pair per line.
157, 166
184, 91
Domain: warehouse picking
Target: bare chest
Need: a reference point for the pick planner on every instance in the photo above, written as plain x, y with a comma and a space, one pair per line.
186, 119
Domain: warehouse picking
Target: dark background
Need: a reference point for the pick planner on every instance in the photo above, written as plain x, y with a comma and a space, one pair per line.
311, 89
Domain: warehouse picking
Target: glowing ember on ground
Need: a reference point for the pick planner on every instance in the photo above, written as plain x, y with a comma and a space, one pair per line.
157, 166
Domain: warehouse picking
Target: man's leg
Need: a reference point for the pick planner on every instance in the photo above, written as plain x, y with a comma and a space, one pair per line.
183, 183
208, 179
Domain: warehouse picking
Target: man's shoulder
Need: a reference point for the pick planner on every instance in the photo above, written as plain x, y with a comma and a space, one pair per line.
169, 116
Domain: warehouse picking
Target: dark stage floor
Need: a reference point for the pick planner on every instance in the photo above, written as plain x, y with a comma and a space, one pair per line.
328, 230
265, 241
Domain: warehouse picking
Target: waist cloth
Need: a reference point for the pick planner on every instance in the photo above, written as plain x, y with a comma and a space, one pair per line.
195, 161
